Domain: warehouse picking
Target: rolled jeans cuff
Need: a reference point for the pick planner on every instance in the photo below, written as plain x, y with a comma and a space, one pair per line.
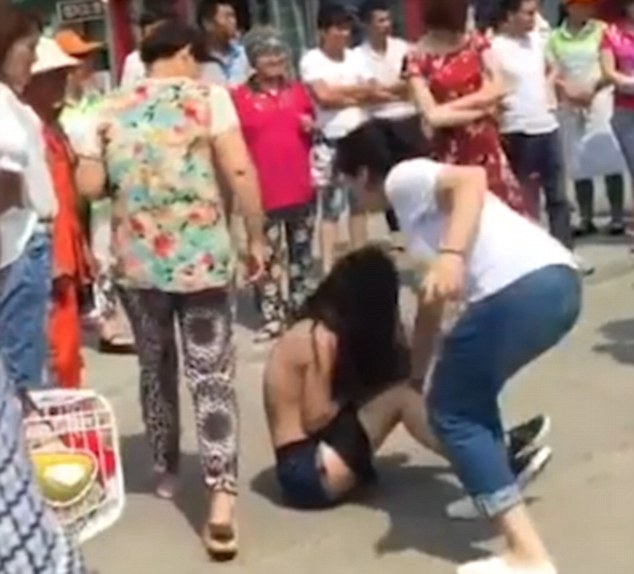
497, 502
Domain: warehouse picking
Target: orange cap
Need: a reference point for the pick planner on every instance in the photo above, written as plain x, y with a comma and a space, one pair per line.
74, 45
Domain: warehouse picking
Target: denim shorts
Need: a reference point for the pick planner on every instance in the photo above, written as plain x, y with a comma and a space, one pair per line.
299, 468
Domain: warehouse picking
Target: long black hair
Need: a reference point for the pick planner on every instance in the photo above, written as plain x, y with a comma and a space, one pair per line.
359, 302
378, 145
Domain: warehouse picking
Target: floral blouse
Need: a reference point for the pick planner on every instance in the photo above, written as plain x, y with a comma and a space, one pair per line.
169, 226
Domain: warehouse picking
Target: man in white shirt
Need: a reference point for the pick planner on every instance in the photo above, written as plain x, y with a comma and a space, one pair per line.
342, 88
528, 122
133, 67
523, 296
25, 234
383, 55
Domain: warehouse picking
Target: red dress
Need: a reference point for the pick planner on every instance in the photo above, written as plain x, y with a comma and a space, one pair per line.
452, 76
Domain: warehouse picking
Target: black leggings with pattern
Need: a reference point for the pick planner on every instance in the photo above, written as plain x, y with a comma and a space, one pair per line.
205, 323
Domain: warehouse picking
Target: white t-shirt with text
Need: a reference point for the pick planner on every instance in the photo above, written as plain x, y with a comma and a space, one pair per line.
528, 106
350, 71
507, 246
386, 69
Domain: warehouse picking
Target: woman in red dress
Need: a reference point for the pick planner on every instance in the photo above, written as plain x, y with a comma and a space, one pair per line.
452, 70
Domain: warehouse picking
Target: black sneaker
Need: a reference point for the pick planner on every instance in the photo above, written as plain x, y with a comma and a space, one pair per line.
525, 437
615, 229
528, 467
585, 228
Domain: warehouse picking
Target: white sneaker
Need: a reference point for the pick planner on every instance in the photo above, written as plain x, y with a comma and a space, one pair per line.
527, 468
585, 268
498, 565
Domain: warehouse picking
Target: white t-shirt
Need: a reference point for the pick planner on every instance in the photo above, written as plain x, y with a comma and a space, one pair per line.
528, 107
22, 152
506, 248
386, 68
317, 66
133, 70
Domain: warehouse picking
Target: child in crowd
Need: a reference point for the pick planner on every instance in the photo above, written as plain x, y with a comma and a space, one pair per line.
336, 385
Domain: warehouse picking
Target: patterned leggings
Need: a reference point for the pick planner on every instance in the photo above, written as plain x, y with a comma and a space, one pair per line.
292, 234
205, 323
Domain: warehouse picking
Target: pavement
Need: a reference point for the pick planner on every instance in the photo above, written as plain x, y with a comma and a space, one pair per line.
583, 503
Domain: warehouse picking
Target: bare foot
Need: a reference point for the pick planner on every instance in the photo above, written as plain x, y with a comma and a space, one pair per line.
166, 486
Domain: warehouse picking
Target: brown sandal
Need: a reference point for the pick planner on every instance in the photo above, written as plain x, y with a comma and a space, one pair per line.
220, 541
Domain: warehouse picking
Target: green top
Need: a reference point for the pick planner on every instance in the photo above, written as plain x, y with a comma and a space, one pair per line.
576, 54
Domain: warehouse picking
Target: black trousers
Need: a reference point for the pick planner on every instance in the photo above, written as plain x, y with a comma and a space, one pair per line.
541, 155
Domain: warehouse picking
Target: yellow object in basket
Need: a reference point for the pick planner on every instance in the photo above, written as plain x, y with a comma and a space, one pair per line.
64, 478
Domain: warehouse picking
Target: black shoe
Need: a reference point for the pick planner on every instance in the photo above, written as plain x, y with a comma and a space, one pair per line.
585, 228
528, 467
525, 438
615, 228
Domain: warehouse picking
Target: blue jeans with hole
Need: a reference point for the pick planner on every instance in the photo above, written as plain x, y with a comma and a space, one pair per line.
23, 314
490, 343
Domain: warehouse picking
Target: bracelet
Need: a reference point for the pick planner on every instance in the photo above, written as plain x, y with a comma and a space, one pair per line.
449, 251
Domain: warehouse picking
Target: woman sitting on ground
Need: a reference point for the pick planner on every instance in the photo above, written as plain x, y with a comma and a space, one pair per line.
334, 387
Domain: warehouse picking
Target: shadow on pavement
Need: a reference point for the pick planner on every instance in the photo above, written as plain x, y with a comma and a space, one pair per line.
190, 498
414, 498
620, 340
247, 314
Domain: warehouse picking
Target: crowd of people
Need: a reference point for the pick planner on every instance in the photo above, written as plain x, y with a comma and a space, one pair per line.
133, 211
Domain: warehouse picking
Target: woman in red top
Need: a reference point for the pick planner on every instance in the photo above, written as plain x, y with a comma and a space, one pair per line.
454, 67
276, 116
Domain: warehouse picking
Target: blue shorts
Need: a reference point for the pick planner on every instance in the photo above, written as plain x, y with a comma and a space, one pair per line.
299, 468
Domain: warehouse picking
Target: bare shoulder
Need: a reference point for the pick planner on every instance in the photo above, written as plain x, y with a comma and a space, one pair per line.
306, 339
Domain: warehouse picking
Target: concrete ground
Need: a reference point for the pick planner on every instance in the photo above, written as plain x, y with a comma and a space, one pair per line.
583, 503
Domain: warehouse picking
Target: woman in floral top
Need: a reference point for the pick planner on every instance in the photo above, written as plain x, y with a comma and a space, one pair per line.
159, 143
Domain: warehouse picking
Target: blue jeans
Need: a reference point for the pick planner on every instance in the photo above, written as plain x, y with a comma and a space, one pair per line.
623, 126
490, 343
24, 312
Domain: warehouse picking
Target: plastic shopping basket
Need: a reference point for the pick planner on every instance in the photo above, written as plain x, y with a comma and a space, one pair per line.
73, 441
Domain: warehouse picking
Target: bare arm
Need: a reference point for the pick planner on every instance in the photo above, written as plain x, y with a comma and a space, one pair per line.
439, 115
611, 74
425, 338
318, 408
493, 88
460, 194
237, 170
90, 177
336, 97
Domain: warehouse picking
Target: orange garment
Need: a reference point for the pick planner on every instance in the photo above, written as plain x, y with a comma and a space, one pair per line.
70, 265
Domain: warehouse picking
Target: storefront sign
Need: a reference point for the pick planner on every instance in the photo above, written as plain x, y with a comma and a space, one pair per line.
71, 11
